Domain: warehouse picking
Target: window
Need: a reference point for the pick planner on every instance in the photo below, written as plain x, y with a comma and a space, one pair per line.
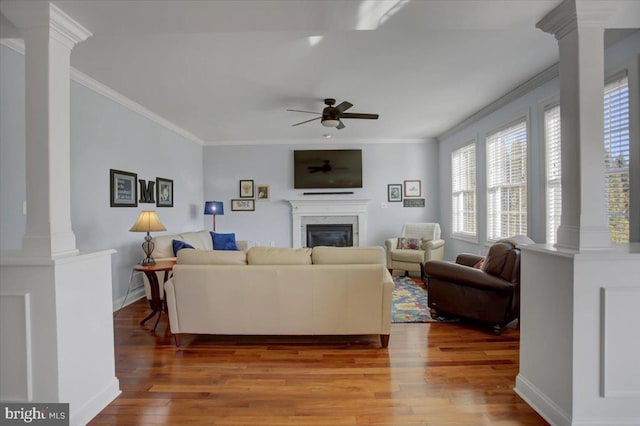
463, 188
553, 170
507, 181
616, 145
617, 155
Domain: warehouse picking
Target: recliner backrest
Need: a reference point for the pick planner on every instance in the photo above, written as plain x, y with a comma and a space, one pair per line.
503, 260
426, 231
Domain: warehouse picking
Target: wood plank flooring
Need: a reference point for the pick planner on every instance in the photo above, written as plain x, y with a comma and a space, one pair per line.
431, 374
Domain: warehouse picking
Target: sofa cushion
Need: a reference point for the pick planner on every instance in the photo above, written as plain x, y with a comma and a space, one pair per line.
411, 256
163, 246
199, 239
224, 241
179, 245
496, 258
347, 255
278, 256
211, 257
407, 243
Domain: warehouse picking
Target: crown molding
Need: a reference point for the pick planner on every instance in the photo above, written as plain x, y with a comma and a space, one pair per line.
15, 44
79, 77
69, 31
561, 20
320, 141
90, 83
536, 81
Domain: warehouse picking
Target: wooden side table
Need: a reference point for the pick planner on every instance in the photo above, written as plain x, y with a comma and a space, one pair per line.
157, 304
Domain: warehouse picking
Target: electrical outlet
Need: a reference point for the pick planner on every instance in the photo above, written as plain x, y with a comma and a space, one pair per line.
383, 205
272, 244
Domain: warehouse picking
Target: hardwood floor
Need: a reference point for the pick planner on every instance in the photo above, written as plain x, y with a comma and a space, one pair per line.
431, 374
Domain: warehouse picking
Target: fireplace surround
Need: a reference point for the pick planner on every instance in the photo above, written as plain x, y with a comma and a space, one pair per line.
329, 212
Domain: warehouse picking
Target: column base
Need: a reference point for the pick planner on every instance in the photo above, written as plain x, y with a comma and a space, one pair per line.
584, 238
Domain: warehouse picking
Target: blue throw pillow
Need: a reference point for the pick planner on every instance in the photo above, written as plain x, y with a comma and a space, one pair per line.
179, 245
224, 241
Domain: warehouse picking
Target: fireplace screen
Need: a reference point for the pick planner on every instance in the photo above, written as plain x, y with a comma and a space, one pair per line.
330, 235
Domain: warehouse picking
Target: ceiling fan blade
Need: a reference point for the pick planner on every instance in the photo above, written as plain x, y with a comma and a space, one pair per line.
308, 112
340, 125
302, 122
343, 106
359, 115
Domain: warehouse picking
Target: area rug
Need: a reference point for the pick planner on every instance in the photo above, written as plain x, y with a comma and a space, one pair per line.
410, 302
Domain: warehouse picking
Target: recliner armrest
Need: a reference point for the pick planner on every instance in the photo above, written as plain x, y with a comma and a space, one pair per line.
391, 243
465, 275
468, 259
434, 244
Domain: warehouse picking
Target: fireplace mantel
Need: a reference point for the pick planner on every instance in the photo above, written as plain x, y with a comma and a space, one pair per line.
328, 207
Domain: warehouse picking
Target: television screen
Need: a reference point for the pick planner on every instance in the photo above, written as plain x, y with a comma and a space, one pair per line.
339, 168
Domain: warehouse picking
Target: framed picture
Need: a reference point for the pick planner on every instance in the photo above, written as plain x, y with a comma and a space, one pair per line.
164, 194
246, 189
263, 192
412, 188
243, 205
123, 188
394, 192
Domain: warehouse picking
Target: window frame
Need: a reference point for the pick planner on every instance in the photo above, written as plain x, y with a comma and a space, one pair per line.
517, 119
465, 236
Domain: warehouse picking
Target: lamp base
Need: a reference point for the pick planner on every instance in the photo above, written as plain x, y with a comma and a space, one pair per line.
147, 248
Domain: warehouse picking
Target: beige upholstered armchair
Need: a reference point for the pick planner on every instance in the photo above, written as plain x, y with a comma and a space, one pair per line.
417, 243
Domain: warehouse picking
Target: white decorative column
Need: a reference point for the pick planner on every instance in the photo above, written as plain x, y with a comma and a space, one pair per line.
49, 36
584, 223
579, 338
56, 323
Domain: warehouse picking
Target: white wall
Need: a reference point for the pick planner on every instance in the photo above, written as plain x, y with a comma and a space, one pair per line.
383, 163
622, 54
104, 135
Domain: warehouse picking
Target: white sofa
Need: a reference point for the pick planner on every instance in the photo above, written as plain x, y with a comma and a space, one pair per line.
163, 250
281, 291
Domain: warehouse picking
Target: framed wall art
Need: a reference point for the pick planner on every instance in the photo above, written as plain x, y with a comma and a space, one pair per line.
394, 192
246, 189
164, 195
412, 188
262, 192
243, 205
123, 188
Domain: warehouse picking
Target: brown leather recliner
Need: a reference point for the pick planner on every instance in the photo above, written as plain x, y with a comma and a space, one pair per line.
489, 293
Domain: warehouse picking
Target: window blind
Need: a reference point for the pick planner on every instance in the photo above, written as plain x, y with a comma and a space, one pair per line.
463, 187
507, 181
616, 145
553, 170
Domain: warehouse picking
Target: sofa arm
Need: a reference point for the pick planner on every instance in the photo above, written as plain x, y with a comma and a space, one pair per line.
464, 275
434, 244
390, 244
468, 259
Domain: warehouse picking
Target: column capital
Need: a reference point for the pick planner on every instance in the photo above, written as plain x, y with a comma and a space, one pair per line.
570, 14
37, 15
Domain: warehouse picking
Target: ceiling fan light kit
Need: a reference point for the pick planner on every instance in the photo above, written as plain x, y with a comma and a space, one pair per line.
331, 116
330, 123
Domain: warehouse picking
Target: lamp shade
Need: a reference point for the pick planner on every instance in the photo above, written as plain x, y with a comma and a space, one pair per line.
148, 221
214, 208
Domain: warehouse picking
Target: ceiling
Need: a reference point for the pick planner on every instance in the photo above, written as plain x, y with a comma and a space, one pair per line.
227, 70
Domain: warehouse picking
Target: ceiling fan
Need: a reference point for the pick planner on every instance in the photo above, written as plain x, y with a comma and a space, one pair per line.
332, 116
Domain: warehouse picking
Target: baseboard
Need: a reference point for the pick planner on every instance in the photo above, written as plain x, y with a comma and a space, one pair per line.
95, 405
133, 296
542, 404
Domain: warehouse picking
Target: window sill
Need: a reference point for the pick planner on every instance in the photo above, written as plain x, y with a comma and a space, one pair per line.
465, 237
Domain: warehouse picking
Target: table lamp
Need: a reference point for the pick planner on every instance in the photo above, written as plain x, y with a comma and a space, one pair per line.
148, 222
214, 208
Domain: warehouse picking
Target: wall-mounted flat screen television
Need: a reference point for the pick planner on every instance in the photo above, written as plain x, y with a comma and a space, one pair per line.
327, 168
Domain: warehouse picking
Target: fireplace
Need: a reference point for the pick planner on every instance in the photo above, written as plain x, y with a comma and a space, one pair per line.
334, 212
338, 235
